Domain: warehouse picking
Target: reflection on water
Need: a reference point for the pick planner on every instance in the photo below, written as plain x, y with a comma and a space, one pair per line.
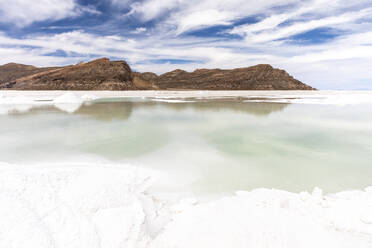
235, 105
207, 146
106, 111
123, 108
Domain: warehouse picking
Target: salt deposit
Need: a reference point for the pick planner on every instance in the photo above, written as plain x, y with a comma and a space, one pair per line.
73, 98
74, 206
273, 218
87, 97
17, 103
68, 102
169, 100
68, 98
110, 206
321, 99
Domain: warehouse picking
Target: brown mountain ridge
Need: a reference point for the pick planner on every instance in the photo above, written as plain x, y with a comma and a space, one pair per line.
103, 74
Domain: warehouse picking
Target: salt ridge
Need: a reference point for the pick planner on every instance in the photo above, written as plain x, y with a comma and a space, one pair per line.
68, 102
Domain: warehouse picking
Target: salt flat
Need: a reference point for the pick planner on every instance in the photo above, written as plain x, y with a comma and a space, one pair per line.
263, 169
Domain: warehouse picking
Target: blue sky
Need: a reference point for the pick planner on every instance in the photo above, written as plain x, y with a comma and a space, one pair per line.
327, 44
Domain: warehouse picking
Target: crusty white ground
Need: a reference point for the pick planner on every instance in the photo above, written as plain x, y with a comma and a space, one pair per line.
107, 206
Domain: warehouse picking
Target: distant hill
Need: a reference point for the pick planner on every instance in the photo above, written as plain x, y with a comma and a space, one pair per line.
103, 74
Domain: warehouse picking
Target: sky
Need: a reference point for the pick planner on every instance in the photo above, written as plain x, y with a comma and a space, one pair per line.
324, 43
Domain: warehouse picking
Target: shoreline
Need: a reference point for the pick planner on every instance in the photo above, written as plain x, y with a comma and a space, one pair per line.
13, 98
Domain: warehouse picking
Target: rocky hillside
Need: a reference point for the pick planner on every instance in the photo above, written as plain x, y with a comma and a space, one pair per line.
103, 74
259, 77
13, 71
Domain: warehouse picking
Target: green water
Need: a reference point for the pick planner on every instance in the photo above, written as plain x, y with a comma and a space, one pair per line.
207, 146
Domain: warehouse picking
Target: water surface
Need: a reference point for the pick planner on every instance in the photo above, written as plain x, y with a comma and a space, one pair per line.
214, 146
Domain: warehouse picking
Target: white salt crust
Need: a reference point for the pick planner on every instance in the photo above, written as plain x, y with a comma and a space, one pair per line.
70, 101
109, 206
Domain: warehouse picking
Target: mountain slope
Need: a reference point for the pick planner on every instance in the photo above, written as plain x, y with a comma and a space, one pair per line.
259, 77
13, 71
100, 74
103, 74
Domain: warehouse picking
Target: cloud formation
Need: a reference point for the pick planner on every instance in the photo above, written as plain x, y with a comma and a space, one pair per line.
327, 44
25, 12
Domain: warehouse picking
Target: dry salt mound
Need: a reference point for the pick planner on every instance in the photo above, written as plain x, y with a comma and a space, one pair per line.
273, 218
108, 206
77, 206
70, 103
67, 102
18, 104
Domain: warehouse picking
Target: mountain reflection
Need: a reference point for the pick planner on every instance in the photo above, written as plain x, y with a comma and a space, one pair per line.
122, 110
253, 108
107, 111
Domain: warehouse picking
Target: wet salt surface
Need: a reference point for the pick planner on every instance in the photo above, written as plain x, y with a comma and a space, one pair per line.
82, 171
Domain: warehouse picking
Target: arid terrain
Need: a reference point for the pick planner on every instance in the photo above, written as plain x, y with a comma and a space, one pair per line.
103, 74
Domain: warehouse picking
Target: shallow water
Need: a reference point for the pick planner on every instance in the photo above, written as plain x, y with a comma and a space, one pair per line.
206, 147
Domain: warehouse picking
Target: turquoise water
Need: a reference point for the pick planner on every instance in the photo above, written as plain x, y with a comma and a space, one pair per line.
205, 146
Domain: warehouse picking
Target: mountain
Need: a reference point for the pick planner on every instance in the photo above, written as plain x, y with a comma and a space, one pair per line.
13, 71
100, 74
103, 74
259, 77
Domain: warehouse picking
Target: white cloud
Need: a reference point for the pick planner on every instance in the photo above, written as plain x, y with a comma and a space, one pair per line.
203, 18
187, 15
139, 30
34, 57
149, 10
268, 30
181, 16
25, 12
274, 20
